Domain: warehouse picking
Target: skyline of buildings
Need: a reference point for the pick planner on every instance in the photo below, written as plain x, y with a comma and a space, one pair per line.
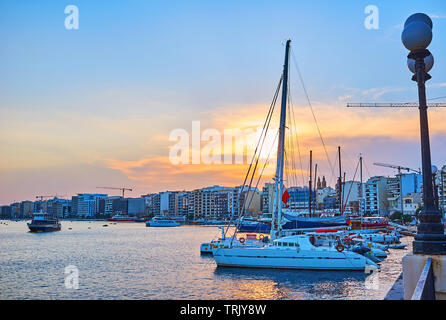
378, 195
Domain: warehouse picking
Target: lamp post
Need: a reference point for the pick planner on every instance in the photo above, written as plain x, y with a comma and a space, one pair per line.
416, 37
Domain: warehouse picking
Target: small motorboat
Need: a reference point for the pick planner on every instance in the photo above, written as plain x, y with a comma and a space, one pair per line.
162, 222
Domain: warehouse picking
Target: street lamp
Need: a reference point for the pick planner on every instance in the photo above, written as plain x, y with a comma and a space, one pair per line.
416, 37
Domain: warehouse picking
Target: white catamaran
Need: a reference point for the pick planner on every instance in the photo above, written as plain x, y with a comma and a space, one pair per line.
289, 252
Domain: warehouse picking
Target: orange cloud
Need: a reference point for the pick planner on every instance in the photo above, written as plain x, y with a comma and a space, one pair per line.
339, 126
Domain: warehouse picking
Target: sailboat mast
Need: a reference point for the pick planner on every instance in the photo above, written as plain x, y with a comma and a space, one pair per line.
360, 188
310, 200
340, 181
281, 144
315, 190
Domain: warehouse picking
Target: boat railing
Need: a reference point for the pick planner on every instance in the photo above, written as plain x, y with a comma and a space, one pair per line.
425, 289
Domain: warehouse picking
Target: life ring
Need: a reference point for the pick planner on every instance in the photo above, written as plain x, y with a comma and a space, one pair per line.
242, 240
340, 247
261, 236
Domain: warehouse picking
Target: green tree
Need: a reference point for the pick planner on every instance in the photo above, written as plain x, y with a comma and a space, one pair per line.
417, 212
407, 218
397, 215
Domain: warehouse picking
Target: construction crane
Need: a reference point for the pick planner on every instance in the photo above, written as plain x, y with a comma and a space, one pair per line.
399, 168
112, 188
393, 105
43, 197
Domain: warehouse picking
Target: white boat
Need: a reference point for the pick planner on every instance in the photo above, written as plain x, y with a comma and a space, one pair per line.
251, 240
162, 222
381, 238
296, 251
121, 218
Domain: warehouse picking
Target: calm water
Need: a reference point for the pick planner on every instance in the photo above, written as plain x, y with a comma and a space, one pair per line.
131, 261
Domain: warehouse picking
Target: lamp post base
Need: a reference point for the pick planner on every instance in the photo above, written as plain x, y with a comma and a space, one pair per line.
430, 237
429, 247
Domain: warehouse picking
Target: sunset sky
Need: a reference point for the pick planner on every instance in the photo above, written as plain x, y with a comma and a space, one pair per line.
95, 106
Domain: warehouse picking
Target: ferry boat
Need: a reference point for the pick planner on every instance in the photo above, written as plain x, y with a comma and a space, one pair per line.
162, 222
44, 222
121, 218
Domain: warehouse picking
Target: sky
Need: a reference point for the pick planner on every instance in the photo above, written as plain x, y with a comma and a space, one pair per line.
97, 106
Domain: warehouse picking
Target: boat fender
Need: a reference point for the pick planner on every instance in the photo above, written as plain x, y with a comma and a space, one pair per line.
242, 240
340, 247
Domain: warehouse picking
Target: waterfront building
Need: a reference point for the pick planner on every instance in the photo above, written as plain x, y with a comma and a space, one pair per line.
405, 184
375, 196
169, 203
216, 202
351, 196
322, 194
152, 201
268, 198
86, 205
194, 204
299, 198
114, 205
411, 202
331, 201
183, 203
26, 209
106, 206
5, 212
136, 207
40, 205
393, 194
248, 200
60, 208
15, 209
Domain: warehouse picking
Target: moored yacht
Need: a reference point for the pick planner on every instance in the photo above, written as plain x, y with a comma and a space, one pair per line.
294, 252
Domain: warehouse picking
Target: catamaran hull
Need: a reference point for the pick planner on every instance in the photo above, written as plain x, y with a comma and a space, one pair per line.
290, 259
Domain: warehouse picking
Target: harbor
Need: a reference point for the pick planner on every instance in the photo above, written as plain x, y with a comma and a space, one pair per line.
197, 161
130, 261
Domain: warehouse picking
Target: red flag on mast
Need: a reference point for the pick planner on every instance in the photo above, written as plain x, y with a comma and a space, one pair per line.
285, 196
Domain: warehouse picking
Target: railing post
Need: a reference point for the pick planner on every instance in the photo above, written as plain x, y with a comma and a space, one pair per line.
425, 289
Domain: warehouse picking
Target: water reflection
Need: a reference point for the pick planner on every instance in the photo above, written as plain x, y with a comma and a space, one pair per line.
130, 261
291, 284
